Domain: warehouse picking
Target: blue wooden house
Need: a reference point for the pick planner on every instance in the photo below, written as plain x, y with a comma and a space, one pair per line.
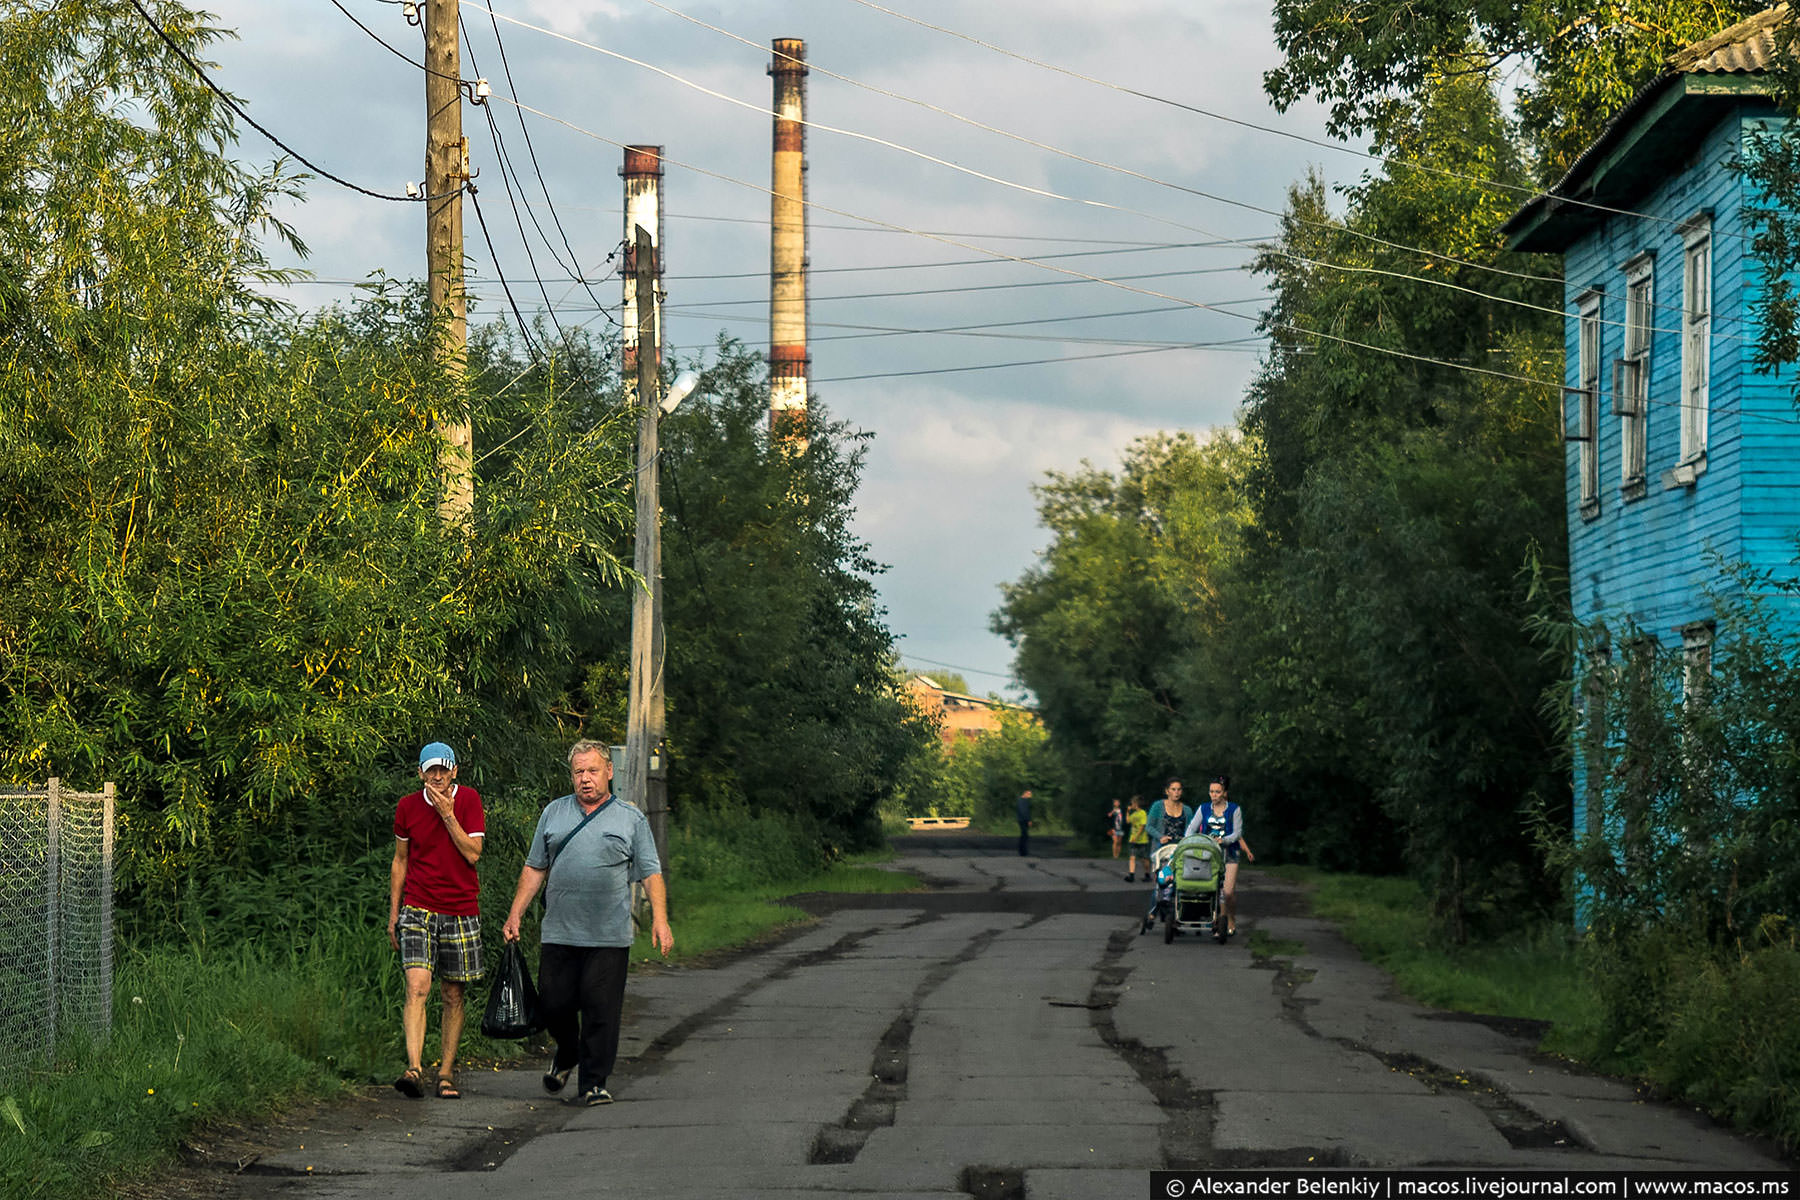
1681, 455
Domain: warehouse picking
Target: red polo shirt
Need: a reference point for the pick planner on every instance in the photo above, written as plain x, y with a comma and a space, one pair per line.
438, 878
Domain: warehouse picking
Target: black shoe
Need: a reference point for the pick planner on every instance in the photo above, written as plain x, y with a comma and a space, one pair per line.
1131, 878
595, 1096
555, 1077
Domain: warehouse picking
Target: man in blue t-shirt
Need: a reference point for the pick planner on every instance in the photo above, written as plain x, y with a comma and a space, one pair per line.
1024, 822
589, 848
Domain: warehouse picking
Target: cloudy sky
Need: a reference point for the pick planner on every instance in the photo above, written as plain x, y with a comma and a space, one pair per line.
961, 430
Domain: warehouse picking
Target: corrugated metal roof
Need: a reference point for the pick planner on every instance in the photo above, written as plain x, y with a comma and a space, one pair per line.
1746, 48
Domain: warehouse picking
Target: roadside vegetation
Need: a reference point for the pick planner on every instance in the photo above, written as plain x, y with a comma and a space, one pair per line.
1354, 600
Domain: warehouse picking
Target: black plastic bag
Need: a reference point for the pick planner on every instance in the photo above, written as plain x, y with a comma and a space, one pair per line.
513, 1010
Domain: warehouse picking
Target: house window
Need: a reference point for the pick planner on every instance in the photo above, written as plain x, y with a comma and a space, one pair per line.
1631, 376
1594, 693
1696, 662
1696, 336
1586, 399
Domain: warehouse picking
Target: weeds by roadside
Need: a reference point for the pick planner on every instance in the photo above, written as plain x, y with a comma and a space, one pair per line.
1536, 973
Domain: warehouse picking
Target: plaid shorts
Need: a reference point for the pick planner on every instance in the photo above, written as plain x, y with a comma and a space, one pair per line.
447, 946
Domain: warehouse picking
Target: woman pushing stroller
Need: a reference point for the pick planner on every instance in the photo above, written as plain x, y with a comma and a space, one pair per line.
1223, 821
1167, 824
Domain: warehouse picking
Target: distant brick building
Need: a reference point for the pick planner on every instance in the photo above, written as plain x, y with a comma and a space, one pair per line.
961, 718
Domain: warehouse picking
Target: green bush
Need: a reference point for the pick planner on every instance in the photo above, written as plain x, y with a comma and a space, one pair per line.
1712, 1026
732, 847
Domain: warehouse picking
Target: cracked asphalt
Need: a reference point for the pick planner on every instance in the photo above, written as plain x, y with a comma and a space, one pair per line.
1006, 1035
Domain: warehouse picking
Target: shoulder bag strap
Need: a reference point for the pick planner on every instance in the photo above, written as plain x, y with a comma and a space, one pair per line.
556, 850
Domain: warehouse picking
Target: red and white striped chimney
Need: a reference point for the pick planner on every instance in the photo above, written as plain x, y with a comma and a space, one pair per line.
787, 239
642, 173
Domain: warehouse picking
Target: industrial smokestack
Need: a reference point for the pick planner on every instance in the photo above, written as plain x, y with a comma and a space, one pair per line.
787, 240
642, 173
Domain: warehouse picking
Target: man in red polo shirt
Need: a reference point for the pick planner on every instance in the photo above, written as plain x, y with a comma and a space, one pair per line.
434, 909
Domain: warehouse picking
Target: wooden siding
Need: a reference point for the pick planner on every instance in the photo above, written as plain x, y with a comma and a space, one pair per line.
1652, 560
1655, 561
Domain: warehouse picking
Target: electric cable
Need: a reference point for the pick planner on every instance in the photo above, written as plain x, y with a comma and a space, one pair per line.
1320, 335
537, 168
1109, 166
399, 53
524, 332
506, 181
1034, 362
231, 103
1046, 193
1518, 189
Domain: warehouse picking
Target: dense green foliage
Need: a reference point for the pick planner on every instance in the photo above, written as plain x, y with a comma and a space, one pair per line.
1332, 604
781, 697
982, 778
1108, 623
223, 580
1581, 60
1686, 868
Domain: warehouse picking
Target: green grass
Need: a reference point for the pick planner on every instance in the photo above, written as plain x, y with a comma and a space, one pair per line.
205, 1030
1263, 946
1536, 973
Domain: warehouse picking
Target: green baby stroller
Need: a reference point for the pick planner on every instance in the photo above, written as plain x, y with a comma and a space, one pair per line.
1196, 900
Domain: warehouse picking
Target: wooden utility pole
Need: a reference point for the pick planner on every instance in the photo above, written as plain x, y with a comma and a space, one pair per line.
647, 781
446, 170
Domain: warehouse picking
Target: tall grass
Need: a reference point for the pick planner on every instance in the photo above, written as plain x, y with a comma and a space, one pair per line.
1536, 972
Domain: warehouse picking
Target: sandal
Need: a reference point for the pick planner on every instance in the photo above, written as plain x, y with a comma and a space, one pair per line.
446, 1089
410, 1083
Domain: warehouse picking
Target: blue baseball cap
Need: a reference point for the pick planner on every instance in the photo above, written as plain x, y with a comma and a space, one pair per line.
436, 755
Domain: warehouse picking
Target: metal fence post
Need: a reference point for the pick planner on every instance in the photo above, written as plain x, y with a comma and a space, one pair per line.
106, 913
52, 896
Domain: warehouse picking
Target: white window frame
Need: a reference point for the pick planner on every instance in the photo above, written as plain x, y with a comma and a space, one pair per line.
1633, 408
1696, 663
1696, 336
1587, 398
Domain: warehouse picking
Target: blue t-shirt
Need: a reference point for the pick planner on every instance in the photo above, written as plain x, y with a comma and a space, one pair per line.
587, 897
1024, 810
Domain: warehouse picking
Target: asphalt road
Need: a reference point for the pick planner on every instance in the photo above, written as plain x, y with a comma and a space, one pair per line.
1006, 1036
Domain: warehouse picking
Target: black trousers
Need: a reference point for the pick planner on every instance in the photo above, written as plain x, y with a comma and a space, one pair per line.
582, 989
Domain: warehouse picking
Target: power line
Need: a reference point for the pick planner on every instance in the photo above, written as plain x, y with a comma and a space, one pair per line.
955, 666
1109, 166
1033, 362
530, 344
1259, 248
998, 254
1053, 195
237, 108
537, 168
506, 181
1517, 189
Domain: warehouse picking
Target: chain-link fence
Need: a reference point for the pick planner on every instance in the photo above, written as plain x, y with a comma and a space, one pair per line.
56, 920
